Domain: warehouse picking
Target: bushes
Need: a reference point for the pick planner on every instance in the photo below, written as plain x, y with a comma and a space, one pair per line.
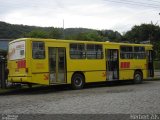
157, 65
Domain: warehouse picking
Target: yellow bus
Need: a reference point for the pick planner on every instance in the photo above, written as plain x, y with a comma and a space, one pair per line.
51, 62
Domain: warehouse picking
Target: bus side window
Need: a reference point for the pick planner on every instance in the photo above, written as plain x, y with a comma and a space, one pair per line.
77, 51
126, 52
38, 50
139, 52
94, 51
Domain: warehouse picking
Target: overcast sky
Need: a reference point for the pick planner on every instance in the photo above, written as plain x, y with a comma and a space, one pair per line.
119, 15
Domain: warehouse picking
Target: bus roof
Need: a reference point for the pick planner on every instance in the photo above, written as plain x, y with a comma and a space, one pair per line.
77, 41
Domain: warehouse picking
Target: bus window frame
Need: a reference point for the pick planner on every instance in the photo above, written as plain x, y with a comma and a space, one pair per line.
96, 51
81, 52
44, 54
138, 53
130, 53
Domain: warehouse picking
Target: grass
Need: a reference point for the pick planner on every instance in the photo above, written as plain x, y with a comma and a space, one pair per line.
6, 90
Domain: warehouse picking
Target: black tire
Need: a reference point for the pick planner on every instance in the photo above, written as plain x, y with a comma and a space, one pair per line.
77, 81
138, 77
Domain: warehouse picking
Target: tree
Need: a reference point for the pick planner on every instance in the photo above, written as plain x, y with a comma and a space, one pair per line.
144, 32
110, 35
56, 33
18, 31
89, 36
37, 34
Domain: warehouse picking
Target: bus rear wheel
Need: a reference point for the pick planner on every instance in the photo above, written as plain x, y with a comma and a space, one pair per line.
138, 77
77, 81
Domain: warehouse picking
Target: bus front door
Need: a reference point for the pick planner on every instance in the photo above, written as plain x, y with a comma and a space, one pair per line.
112, 64
150, 63
57, 65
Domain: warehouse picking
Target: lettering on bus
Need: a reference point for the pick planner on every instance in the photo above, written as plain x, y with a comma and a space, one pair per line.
40, 66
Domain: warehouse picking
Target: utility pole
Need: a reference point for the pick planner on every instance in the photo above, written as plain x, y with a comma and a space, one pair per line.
63, 30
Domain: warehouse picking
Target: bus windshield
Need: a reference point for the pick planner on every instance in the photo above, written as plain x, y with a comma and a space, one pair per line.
16, 50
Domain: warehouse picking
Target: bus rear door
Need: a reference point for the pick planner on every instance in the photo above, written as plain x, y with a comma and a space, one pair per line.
57, 65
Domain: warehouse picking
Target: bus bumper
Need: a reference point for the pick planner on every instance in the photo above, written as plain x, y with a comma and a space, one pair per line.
20, 79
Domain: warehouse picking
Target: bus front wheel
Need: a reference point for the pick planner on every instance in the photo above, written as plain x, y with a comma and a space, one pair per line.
138, 78
77, 81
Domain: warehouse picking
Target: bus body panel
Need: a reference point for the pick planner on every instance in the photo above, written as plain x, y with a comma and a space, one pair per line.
33, 70
95, 76
18, 61
40, 78
20, 79
127, 73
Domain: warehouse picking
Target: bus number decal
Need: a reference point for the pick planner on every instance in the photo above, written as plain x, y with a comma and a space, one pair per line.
46, 76
104, 74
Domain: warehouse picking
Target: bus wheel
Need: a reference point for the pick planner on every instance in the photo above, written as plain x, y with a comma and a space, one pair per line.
77, 81
138, 78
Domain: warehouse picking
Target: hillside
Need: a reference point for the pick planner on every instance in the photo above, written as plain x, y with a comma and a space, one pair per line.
143, 32
18, 31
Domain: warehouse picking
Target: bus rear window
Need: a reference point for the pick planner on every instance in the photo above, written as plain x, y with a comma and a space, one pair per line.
16, 50
38, 50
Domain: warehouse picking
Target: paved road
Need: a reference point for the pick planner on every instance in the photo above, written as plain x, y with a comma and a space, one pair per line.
123, 98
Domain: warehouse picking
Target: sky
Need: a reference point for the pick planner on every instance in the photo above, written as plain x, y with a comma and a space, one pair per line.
117, 15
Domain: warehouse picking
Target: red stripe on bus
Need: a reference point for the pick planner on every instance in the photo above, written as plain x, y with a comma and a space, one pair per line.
125, 64
122, 65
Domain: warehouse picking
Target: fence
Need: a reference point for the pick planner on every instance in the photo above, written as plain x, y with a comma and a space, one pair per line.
157, 65
3, 72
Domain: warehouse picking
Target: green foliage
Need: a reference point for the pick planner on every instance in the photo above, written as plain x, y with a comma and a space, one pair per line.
12, 31
37, 34
56, 33
157, 50
157, 65
144, 32
89, 36
19, 31
109, 35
